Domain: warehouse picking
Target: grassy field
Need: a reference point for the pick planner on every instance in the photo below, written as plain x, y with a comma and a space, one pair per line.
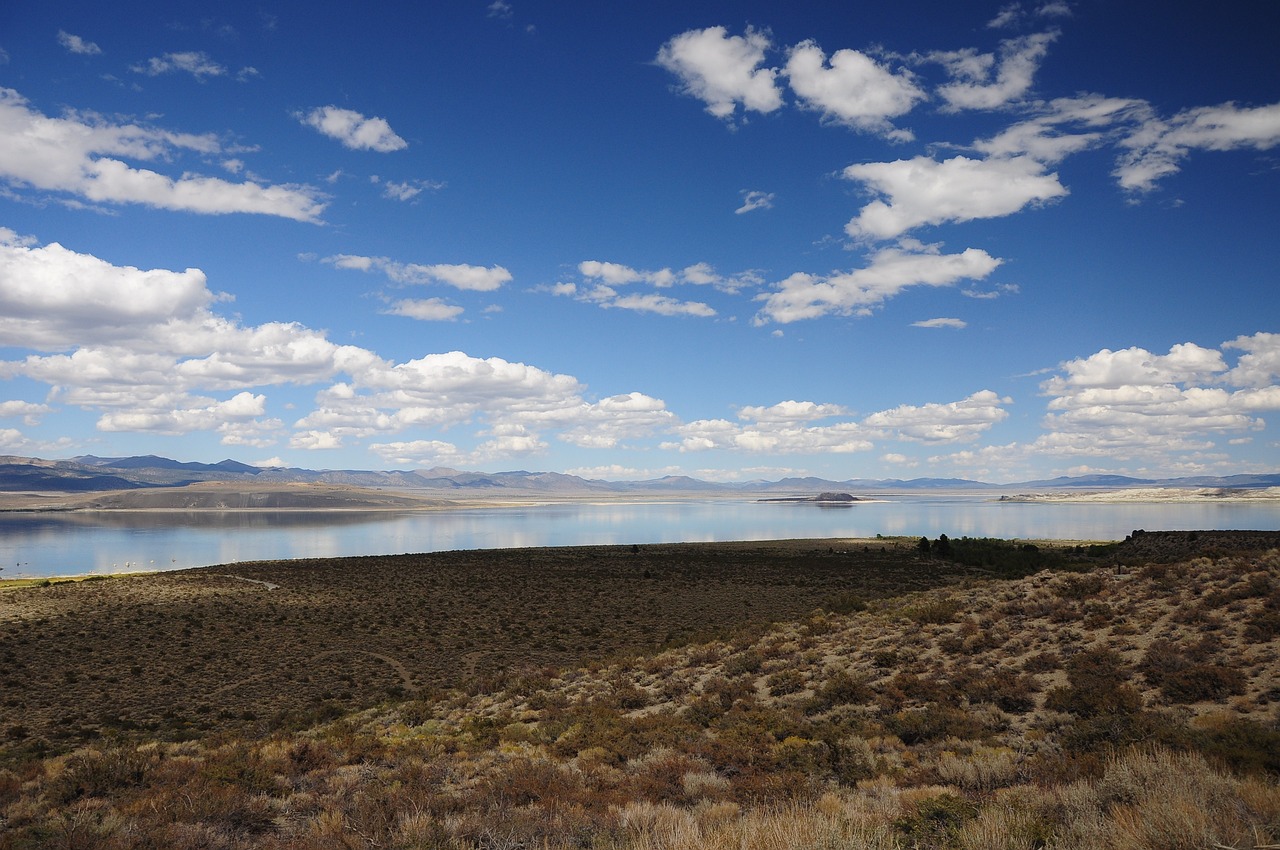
870, 693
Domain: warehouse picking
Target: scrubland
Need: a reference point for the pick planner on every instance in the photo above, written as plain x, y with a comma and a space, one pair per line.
872, 694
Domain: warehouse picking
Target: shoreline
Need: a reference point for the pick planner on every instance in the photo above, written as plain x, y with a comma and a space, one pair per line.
833, 545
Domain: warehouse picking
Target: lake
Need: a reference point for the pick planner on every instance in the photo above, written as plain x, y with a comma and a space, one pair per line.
51, 544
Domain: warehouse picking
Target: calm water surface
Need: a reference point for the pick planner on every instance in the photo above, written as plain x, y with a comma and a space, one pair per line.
75, 544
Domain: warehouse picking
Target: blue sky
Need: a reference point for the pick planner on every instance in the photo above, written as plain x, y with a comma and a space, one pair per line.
727, 240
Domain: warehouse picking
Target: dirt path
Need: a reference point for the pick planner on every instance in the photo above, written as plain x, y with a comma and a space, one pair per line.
405, 676
267, 584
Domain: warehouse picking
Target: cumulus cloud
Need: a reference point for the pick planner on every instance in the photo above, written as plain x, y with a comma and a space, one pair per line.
145, 349
608, 422
144, 345
769, 438
1137, 367
924, 191
1259, 366
615, 274
940, 323
459, 276
425, 309
1113, 401
441, 390
78, 155
792, 411
76, 44
985, 81
951, 422
891, 270
53, 298
354, 130
780, 429
30, 412
195, 63
723, 70
650, 302
853, 89
241, 407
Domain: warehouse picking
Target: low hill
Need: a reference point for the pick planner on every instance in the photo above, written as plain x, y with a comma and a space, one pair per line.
90, 473
219, 496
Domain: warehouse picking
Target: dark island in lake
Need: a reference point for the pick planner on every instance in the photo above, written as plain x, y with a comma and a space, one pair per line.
826, 498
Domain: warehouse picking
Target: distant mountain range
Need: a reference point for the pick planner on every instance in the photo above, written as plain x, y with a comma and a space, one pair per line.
91, 474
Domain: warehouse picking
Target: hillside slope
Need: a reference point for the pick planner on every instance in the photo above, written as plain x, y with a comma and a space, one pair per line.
1129, 706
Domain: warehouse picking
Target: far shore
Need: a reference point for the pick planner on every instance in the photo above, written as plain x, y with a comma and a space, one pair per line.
329, 498
1151, 494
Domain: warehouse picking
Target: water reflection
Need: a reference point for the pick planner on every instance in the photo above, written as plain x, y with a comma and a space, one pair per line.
43, 544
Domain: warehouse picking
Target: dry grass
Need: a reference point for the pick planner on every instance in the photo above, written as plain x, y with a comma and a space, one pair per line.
1007, 723
185, 653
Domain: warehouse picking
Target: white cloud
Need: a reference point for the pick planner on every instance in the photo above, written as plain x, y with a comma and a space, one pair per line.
615, 274
924, 191
76, 44
854, 90
473, 278
940, 323
1259, 366
195, 63
1007, 16
602, 281
776, 431
353, 129
951, 422
256, 433
1138, 367
806, 296
606, 423
408, 189
703, 274
755, 200
991, 294
1112, 401
769, 438
52, 298
1092, 120
650, 303
1156, 148
76, 155
30, 412
459, 276
425, 309
141, 342
723, 70
982, 82
315, 441
421, 452
792, 411
244, 406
